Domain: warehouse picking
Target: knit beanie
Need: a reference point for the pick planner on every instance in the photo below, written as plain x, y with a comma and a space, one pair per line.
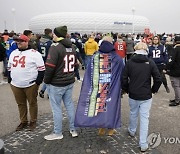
60, 31
177, 38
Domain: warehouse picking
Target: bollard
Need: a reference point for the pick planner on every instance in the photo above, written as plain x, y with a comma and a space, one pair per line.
1, 147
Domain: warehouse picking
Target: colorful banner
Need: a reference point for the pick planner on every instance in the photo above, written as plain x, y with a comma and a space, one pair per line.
100, 98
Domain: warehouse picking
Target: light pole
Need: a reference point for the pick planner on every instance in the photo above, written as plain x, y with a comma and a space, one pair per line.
133, 12
13, 10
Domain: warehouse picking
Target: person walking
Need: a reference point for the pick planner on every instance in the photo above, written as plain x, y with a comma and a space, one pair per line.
136, 81
158, 53
99, 104
173, 70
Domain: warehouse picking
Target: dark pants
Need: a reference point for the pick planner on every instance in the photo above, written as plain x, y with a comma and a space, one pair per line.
163, 77
76, 71
5, 63
175, 81
22, 95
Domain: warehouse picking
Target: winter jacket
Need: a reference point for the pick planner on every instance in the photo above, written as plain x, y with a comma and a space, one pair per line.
130, 46
137, 77
173, 67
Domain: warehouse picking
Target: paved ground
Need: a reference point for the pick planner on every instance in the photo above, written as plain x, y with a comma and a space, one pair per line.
163, 120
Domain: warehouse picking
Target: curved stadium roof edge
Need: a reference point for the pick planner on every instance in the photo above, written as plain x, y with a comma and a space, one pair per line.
86, 22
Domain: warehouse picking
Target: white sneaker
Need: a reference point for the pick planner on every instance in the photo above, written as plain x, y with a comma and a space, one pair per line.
53, 137
74, 133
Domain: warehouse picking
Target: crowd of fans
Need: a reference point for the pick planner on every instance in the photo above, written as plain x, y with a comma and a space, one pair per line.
64, 54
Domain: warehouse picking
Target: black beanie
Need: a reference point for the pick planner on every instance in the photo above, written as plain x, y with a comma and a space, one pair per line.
177, 38
60, 31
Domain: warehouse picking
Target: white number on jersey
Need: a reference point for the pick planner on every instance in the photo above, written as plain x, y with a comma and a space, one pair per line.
156, 53
120, 47
43, 51
69, 63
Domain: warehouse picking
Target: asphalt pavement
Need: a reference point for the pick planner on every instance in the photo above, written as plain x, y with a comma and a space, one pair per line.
164, 128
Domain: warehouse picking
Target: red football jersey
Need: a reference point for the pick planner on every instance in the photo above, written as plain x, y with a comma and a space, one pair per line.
120, 48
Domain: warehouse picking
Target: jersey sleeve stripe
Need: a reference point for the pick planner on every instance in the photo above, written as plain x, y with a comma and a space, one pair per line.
41, 66
51, 65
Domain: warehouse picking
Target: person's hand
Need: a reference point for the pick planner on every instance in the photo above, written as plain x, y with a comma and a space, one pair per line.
164, 71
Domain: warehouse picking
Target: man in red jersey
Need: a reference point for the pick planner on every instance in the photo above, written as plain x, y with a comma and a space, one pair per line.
120, 47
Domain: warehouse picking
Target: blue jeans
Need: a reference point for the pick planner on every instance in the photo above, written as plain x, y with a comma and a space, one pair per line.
142, 108
56, 94
88, 59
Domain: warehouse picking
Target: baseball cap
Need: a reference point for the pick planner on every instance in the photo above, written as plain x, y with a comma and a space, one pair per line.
22, 38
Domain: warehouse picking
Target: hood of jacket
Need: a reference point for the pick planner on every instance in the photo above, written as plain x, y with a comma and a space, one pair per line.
106, 47
139, 58
90, 40
66, 42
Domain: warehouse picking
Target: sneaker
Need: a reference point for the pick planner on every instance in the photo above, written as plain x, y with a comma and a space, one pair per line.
41, 94
21, 126
131, 134
174, 103
32, 126
79, 81
101, 131
172, 100
53, 137
144, 149
74, 133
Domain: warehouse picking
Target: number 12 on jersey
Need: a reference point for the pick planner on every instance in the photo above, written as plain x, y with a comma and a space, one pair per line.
69, 63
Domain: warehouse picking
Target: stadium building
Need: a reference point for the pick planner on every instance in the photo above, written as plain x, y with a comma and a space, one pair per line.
84, 22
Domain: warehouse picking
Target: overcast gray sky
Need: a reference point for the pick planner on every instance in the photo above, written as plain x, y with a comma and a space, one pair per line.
164, 15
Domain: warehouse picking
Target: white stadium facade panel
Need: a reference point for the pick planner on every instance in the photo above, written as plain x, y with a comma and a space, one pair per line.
84, 22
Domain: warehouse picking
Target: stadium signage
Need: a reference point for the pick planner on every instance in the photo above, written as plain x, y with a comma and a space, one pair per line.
122, 23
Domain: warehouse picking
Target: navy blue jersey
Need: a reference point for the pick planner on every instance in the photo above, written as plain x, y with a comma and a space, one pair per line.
158, 54
43, 47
